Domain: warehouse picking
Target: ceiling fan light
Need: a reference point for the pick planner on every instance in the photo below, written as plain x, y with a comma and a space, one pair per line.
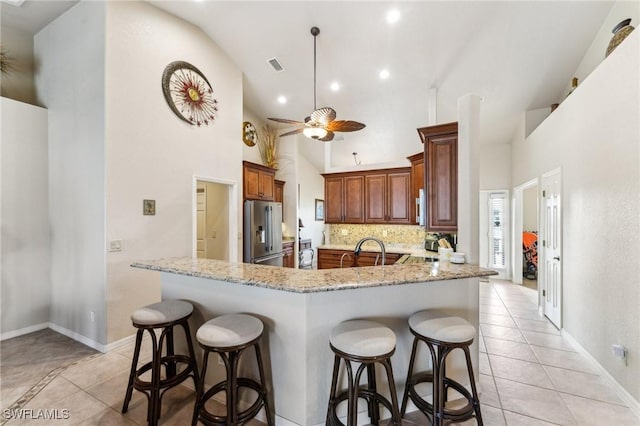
315, 132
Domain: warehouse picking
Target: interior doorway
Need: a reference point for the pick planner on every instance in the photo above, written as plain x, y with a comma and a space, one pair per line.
213, 210
530, 232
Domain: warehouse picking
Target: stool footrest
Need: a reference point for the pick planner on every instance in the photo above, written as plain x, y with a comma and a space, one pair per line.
362, 392
211, 419
168, 382
426, 408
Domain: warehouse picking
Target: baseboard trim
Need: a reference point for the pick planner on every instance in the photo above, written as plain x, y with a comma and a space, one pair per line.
121, 343
78, 337
22, 331
617, 387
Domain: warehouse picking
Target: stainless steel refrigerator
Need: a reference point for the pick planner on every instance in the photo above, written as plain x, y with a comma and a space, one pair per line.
263, 233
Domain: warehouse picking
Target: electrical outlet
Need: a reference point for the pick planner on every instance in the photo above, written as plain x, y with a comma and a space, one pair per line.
115, 245
92, 316
344, 232
384, 232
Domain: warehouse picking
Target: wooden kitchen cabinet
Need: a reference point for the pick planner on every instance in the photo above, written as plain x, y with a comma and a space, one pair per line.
329, 258
258, 182
278, 194
288, 259
372, 196
344, 198
417, 183
441, 176
387, 196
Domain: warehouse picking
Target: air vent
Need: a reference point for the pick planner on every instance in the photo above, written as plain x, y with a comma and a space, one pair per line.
277, 66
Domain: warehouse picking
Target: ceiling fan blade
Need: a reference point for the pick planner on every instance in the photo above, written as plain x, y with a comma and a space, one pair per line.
328, 138
323, 115
285, 120
345, 126
293, 132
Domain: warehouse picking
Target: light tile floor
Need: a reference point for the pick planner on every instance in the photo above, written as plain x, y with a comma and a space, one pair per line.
529, 375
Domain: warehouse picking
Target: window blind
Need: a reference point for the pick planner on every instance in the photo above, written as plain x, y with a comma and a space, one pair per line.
497, 206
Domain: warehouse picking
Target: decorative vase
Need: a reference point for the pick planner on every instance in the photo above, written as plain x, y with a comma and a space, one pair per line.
620, 32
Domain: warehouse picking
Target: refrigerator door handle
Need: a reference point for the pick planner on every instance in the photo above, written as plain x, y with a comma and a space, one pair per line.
268, 258
268, 216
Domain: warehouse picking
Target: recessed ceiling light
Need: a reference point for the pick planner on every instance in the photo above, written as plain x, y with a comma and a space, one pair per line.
393, 16
335, 86
282, 99
384, 74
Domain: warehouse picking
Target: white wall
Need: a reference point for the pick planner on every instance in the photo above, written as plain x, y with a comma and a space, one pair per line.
593, 137
70, 82
530, 209
19, 83
311, 188
152, 154
495, 166
24, 218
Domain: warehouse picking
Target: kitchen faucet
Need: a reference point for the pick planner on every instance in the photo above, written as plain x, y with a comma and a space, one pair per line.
358, 249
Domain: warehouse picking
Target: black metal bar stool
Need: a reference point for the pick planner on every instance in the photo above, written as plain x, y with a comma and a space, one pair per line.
365, 342
163, 315
229, 336
442, 333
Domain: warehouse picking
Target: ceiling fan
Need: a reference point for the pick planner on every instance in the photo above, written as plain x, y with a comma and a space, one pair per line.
321, 124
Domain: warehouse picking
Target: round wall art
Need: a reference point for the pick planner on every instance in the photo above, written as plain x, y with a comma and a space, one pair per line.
189, 94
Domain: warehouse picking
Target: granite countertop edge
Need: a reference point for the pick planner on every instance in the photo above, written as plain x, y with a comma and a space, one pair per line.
312, 281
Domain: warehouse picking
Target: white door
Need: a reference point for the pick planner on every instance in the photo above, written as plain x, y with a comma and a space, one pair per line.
552, 246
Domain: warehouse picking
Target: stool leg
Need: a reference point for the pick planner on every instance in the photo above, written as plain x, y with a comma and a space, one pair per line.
352, 404
171, 365
192, 355
154, 393
373, 408
232, 387
472, 380
134, 368
408, 383
265, 396
439, 380
333, 391
395, 414
200, 388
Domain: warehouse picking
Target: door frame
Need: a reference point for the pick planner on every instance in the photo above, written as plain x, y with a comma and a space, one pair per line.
518, 228
233, 214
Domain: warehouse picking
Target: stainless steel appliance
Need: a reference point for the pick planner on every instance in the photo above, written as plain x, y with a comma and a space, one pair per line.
263, 233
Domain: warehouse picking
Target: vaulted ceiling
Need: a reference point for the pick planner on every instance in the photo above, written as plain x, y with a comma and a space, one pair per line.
516, 55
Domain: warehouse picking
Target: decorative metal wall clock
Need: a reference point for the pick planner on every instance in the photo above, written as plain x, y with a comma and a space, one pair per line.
189, 94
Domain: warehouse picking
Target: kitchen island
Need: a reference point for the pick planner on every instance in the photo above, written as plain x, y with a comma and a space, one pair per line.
300, 307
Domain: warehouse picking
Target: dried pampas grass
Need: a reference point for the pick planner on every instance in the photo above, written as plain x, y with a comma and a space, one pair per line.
268, 145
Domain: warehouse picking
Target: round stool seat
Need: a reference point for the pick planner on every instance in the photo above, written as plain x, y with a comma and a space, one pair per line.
442, 327
227, 331
363, 338
162, 312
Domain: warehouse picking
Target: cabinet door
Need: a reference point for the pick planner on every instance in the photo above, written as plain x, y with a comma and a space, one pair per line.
287, 260
333, 192
278, 195
399, 198
441, 161
353, 199
251, 180
417, 182
375, 196
267, 186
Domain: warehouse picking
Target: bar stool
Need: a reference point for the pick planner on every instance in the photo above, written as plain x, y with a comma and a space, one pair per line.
365, 342
229, 336
442, 334
163, 315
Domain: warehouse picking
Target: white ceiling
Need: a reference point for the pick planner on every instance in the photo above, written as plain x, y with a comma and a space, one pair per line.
516, 55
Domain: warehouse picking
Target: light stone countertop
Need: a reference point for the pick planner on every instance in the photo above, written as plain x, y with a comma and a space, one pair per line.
311, 281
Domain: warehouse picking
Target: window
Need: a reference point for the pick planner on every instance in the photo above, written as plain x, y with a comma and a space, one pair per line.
497, 229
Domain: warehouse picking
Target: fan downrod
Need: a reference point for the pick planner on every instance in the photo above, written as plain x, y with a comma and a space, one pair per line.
315, 31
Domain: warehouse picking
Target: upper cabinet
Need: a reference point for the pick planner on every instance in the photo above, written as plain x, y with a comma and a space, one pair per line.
374, 196
278, 195
258, 182
441, 176
387, 196
343, 198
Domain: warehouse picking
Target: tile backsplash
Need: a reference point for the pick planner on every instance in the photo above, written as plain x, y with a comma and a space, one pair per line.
412, 236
